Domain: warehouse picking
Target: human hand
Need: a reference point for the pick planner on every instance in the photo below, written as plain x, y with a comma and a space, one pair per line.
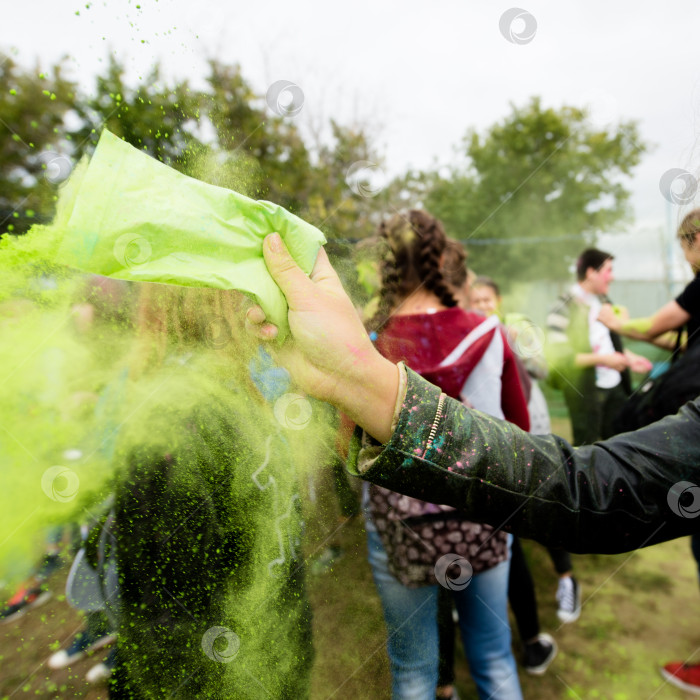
615, 360
638, 363
613, 316
329, 355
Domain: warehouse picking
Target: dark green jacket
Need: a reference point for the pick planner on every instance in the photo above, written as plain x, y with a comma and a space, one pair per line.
633, 490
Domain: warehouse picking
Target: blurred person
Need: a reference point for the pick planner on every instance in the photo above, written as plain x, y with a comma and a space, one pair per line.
418, 321
206, 517
539, 648
588, 361
485, 296
683, 310
97, 302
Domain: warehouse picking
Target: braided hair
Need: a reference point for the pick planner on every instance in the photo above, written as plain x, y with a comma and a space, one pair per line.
412, 244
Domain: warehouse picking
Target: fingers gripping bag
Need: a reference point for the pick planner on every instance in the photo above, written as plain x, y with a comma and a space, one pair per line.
128, 216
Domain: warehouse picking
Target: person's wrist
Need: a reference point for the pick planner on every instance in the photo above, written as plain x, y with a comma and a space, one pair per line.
368, 396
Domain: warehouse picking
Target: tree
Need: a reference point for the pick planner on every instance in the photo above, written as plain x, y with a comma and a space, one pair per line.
259, 153
348, 195
538, 187
158, 119
225, 134
33, 157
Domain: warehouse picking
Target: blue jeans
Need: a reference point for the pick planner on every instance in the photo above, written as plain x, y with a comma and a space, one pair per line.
412, 632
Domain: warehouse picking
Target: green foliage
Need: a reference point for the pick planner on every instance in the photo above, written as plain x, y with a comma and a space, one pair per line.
539, 186
224, 134
263, 154
347, 205
154, 117
32, 151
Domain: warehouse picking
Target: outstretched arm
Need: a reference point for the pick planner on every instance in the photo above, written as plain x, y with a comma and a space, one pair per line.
630, 491
613, 496
668, 318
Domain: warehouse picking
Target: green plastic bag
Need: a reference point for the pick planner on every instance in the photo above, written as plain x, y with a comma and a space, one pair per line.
128, 216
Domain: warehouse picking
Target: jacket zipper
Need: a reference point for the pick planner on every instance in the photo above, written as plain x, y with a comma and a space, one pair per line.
433, 429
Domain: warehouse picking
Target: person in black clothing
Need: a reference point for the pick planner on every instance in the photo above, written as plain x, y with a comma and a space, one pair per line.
207, 517
683, 310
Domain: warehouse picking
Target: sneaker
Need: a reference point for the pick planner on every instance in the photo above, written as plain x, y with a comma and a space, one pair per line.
539, 654
25, 599
102, 671
569, 598
83, 643
683, 676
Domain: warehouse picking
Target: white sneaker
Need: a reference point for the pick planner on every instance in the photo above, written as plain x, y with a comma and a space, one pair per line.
82, 644
98, 673
569, 599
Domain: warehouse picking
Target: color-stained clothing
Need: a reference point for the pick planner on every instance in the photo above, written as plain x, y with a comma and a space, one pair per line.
633, 490
207, 528
481, 371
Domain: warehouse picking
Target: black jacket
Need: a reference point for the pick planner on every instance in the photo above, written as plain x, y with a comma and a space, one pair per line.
630, 491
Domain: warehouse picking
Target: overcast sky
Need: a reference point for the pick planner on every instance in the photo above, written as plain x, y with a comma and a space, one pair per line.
422, 73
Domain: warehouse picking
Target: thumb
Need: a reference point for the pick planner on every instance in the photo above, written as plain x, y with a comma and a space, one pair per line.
290, 278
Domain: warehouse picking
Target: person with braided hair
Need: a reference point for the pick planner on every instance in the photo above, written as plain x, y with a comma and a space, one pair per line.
411, 541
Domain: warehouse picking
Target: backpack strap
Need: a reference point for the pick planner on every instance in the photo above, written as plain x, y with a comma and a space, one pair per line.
676, 354
491, 323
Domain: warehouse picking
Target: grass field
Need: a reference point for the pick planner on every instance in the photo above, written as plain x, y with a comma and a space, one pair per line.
640, 610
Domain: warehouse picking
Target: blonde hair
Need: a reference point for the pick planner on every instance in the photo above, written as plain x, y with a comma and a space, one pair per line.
690, 226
